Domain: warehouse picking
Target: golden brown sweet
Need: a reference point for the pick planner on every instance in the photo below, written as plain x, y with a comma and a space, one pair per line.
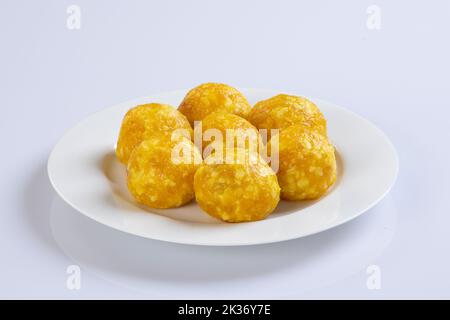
307, 164
282, 111
235, 131
144, 121
159, 177
211, 97
246, 190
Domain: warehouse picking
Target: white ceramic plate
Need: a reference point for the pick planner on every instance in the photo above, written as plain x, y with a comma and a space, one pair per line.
85, 173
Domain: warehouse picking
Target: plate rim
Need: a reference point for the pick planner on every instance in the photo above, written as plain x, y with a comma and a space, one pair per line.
218, 243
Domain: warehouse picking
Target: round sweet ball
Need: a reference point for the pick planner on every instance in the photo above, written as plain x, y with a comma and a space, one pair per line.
144, 121
223, 129
282, 111
243, 190
161, 171
211, 97
307, 163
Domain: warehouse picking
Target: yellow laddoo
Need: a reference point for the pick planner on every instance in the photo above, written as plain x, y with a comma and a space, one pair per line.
244, 190
211, 97
307, 164
235, 131
282, 111
161, 171
144, 121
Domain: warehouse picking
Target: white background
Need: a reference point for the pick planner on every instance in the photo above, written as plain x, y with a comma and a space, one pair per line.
397, 77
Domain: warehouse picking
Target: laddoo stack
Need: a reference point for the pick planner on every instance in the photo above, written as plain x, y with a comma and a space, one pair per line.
227, 170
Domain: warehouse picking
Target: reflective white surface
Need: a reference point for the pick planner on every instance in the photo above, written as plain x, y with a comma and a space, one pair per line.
176, 271
396, 77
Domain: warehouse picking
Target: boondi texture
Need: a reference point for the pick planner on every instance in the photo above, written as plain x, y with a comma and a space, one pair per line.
144, 121
241, 133
155, 179
246, 190
211, 97
307, 164
282, 111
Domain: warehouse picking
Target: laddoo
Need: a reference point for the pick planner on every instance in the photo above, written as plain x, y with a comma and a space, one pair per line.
243, 190
234, 131
307, 163
211, 97
144, 121
160, 171
282, 111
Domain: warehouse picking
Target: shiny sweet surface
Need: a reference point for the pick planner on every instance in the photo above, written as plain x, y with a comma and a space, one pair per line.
144, 121
211, 97
282, 111
155, 180
244, 191
241, 133
307, 163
